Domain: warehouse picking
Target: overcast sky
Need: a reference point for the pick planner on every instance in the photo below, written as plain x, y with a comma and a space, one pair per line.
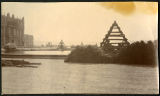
76, 22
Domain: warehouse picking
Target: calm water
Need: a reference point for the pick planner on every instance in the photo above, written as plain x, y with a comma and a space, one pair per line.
55, 76
40, 52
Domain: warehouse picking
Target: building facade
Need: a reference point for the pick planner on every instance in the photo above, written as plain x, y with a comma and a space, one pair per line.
28, 41
12, 30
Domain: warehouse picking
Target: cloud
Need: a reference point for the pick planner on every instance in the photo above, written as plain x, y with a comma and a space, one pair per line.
127, 8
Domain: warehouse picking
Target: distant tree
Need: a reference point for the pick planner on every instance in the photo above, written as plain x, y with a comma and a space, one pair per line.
138, 53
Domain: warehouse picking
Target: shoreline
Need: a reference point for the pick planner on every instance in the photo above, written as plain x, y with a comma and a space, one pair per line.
63, 57
40, 49
34, 56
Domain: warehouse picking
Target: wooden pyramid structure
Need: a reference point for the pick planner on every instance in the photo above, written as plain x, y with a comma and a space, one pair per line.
115, 39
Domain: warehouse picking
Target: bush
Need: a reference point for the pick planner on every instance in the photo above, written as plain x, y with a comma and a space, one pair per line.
139, 53
86, 54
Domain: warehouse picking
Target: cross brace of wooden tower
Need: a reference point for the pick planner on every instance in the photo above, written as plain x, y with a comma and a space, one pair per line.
107, 40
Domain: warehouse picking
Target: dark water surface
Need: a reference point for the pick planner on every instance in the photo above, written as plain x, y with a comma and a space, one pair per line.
55, 76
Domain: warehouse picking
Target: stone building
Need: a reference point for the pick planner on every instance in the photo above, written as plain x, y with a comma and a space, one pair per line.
28, 41
12, 30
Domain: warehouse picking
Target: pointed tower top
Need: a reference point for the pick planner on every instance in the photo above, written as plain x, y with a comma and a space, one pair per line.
115, 23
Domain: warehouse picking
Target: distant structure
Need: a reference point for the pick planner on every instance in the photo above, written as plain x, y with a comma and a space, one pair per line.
42, 45
82, 44
28, 41
49, 44
61, 45
96, 45
12, 30
115, 39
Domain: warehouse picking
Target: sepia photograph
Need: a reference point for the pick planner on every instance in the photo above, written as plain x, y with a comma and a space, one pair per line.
79, 48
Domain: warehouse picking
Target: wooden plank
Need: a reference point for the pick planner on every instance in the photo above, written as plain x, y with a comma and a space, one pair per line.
116, 32
115, 39
115, 43
116, 35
